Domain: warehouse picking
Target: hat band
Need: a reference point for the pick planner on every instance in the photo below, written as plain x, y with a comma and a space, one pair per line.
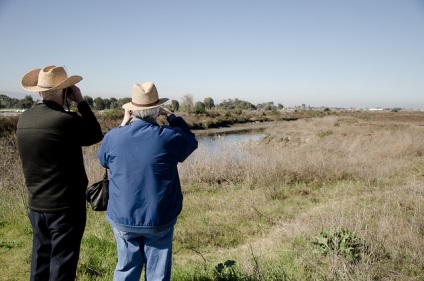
45, 87
146, 104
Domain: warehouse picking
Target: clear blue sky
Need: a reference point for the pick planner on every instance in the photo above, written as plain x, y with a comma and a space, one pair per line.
359, 53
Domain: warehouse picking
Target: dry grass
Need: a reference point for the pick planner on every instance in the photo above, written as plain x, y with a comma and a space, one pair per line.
314, 151
316, 174
263, 204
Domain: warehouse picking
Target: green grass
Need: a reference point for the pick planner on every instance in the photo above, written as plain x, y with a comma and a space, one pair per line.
15, 242
294, 210
98, 251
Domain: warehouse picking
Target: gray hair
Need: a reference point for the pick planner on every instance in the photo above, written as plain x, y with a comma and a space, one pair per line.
143, 113
51, 95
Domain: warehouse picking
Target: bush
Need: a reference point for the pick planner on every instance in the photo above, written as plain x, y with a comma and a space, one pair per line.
340, 242
8, 125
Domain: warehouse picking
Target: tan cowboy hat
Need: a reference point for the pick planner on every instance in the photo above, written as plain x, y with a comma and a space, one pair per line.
144, 96
49, 78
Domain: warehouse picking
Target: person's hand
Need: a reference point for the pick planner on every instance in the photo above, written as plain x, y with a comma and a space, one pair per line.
127, 117
165, 111
76, 95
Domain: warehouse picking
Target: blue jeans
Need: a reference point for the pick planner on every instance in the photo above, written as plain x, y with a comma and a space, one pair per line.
153, 249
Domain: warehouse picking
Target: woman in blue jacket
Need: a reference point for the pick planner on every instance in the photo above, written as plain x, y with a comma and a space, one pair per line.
145, 195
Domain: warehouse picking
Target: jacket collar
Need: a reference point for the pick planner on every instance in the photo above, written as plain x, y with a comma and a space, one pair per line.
146, 119
51, 104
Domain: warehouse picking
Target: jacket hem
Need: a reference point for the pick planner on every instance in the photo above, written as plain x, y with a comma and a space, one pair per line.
140, 229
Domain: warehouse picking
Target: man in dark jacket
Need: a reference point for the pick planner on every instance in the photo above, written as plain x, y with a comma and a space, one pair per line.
49, 143
145, 195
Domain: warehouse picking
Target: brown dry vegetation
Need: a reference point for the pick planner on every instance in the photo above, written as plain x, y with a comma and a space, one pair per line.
264, 204
363, 172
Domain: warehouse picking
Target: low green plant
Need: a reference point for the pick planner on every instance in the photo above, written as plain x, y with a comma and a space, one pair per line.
10, 244
340, 242
226, 271
325, 133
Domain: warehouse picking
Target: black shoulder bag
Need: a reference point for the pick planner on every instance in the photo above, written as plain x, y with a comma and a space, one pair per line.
98, 194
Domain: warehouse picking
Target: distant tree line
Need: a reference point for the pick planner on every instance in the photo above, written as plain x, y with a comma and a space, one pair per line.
186, 104
7, 102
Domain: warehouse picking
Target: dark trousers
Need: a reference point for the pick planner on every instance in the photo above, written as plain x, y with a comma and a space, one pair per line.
56, 244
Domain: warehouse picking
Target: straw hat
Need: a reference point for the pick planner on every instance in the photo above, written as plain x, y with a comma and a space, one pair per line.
48, 78
144, 96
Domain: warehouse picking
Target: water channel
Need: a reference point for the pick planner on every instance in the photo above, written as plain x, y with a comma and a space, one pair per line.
229, 144
229, 139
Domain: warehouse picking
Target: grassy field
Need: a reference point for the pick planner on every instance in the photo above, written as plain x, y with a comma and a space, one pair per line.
339, 197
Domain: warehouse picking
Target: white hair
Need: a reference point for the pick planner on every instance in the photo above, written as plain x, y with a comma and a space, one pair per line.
143, 113
51, 95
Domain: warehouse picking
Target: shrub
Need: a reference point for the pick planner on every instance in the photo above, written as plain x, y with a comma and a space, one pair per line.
340, 242
8, 125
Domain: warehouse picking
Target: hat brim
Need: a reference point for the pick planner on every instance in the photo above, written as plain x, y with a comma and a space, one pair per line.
30, 80
131, 106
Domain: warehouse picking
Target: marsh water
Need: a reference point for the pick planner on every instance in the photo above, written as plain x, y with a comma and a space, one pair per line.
229, 145
234, 136
229, 139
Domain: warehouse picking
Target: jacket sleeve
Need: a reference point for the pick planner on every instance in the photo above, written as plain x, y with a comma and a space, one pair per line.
102, 153
188, 142
91, 130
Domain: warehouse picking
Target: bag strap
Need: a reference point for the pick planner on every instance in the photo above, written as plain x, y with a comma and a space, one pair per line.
105, 176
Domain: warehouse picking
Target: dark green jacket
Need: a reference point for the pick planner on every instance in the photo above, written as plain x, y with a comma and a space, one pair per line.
49, 143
